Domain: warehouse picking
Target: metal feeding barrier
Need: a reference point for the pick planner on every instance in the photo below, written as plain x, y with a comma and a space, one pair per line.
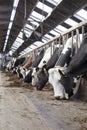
59, 41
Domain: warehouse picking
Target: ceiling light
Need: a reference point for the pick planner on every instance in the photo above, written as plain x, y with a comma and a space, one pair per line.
12, 15
15, 3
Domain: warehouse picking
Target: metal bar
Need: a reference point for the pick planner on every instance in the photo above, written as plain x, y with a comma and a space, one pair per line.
83, 30
66, 32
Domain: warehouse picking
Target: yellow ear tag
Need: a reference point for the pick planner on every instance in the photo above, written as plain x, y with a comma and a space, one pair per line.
59, 67
45, 71
62, 72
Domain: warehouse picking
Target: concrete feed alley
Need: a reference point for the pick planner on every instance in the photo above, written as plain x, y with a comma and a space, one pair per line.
23, 108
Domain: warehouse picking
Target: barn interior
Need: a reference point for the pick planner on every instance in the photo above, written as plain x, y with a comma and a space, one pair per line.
27, 27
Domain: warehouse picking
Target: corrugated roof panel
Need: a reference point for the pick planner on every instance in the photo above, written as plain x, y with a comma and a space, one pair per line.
54, 32
44, 7
82, 13
71, 22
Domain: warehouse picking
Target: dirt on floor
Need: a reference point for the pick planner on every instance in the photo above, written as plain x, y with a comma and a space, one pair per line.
51, 114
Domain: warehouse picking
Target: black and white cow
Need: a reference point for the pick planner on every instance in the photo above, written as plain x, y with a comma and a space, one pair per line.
78, 64
22, 70
63, 85
35, 63
43, 62
43, 73
10, 64
13, 63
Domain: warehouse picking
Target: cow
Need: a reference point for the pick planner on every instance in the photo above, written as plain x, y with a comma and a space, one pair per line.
14, 63
42, 77
18, 62
43, 62
63, 86
78, 64
21, 70
10, 64
35, 63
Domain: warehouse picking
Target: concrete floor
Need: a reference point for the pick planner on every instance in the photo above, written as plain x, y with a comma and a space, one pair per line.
24, 109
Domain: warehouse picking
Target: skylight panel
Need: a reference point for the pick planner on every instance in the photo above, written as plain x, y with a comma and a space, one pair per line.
26, 50
61, 28
57, 1
13, 14
19, 40
82, 13
37, 15
17, 43
15, 3
33, 22
54, 2
14, 47
44, 7
7, 37
44, 40
70, 22
58, 30
38, 43
27, 26
34, 18
48, 36
54, 33
10, 25
8, 32
33, 46
23, 52
79, 17
27, 32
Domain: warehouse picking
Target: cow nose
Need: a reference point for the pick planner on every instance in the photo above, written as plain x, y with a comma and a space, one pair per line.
32, 76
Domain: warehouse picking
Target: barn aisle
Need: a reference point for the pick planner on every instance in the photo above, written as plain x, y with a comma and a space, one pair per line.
17, 112
25, 109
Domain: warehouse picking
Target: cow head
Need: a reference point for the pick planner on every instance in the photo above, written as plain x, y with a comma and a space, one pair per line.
42, 78
34, 76
35, 72
63, 85
28, 77
18, 70
54, 80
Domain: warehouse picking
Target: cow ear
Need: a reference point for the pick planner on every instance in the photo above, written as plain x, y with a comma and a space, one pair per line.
61, 72
37, 69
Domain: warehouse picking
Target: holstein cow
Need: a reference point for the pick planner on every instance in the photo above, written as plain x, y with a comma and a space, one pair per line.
43, 62
35, 63
10, 64
63, 86
78, 64
43, 73
18, 62
14, 63
21, 71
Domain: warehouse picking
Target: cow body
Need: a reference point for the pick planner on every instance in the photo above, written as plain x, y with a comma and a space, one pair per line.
43, 62
78, 64
35, 63
21, 70
62, 85
43, 73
